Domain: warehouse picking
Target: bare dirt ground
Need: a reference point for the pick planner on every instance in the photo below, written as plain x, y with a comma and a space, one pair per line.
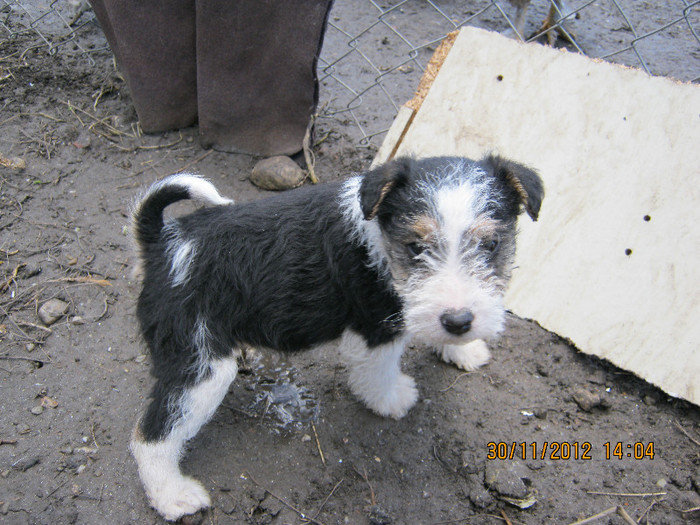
290, 444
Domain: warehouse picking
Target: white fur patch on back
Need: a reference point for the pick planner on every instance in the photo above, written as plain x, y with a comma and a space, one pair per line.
181, 253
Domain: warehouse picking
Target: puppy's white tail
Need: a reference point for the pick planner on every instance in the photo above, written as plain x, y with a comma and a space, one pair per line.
147, 218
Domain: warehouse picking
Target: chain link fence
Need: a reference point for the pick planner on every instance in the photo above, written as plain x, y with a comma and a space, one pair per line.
375, 52
58, 25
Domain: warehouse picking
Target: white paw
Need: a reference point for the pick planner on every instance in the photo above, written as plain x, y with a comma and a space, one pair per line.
179, 496
467, 357
396, 401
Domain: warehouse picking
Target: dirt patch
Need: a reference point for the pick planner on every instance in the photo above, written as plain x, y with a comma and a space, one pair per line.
536, 428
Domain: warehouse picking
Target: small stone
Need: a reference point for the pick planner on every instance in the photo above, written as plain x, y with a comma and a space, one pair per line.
83, 141
140, 358
378, 516
30, 270
277, 173
15, 163
540, 413
52, 310
26, 463
587, 400
48, 402
30, 347
37, 410
510, 482
86, 450
506, 478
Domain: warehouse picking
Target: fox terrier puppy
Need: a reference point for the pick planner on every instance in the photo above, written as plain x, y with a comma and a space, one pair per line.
414, 250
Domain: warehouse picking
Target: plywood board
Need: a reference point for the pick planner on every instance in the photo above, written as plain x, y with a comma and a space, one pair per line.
612, 263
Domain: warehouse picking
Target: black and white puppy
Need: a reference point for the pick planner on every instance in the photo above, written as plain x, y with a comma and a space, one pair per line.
414, 250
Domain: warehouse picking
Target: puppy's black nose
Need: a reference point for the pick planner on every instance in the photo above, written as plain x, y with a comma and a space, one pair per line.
457, 323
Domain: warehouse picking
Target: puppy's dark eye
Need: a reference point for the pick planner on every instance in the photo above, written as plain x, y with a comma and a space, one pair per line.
491, 245
414, 249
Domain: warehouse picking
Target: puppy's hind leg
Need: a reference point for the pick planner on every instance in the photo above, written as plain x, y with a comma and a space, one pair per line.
375, 375
175, 415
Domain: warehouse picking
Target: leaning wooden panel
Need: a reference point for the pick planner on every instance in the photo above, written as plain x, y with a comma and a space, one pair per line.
612, 263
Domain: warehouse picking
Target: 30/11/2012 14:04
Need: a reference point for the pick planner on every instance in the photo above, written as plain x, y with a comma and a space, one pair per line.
555, 450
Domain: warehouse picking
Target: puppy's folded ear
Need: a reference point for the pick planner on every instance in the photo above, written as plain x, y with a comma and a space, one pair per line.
523, 184
380, 182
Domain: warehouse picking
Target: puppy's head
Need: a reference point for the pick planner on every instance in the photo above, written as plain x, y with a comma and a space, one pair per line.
446, 229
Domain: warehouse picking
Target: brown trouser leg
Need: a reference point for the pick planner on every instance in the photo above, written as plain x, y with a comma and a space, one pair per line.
154, 43
256, 72
245, 68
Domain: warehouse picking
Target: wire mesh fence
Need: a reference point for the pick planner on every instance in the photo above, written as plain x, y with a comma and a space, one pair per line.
54, 25
375, 52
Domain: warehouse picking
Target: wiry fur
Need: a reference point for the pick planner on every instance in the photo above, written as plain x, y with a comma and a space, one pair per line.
413, 250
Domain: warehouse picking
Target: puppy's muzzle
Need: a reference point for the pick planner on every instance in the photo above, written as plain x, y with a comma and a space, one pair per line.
457, 323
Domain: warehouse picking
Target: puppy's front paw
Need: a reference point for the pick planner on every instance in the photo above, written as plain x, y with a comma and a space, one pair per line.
467, 357
397, 400
179, 496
